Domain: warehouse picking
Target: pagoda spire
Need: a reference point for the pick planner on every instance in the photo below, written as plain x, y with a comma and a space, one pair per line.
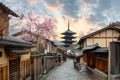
68, 25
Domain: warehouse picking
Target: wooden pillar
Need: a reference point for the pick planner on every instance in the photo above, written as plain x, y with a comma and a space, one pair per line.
32, 68
35, 77
115, 57
114, 60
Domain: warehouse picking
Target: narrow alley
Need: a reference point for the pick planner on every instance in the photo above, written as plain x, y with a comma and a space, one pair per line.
66, 71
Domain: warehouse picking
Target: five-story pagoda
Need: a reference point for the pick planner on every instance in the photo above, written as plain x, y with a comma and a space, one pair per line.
68, 37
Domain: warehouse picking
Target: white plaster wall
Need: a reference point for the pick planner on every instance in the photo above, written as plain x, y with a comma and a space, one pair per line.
109, 33
103, 34
90, 41
4, 58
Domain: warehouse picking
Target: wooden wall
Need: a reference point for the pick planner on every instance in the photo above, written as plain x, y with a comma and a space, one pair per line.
4, 23
102, 38
4, 72
102, 64
94, 61
91, 60
49, 63
36, 67
25, 69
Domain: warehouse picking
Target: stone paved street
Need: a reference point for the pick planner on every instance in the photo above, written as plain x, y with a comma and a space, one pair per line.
66, 71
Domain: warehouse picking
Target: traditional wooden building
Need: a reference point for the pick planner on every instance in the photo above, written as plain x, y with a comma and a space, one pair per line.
47, 45
102, 36
50, 46
14, 53
95, 46
4, 19
62, 52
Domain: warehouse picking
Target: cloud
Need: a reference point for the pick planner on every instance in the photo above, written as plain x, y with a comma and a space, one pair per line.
104, 4
65, 7
85, 25
70, 7
54, 3
101, 12
34, 2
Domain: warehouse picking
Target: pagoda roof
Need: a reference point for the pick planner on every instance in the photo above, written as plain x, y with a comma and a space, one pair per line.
68, 32
68, 37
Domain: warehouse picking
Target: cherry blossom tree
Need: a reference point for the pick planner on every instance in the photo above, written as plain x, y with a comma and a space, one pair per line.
37, 28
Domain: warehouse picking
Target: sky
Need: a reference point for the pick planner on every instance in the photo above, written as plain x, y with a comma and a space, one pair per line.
85, 16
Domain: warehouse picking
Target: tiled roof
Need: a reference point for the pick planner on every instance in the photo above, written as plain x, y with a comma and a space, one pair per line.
17, 50
58, 43
11, 41
90, 47
101, 50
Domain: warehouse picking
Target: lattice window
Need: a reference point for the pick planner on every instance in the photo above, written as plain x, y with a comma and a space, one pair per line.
14, 69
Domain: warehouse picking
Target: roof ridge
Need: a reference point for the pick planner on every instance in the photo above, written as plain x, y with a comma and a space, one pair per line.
99, 31
8, 10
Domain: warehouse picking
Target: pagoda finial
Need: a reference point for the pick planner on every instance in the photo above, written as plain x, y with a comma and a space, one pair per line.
68, 25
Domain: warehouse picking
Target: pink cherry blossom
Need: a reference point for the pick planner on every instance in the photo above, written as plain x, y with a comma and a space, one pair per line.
36, 29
